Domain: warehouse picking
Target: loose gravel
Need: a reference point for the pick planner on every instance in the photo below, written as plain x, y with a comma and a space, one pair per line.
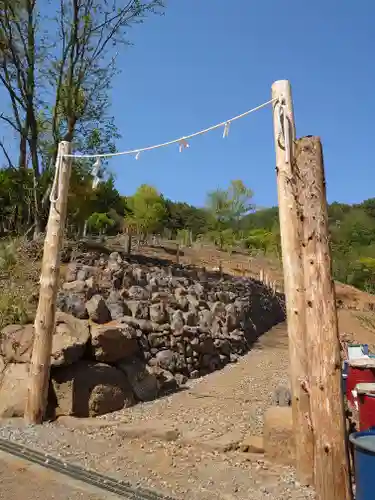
231, 400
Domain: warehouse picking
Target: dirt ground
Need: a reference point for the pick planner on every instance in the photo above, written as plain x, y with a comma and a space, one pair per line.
19, 480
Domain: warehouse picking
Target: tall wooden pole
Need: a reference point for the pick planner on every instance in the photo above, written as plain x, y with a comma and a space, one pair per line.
290, 229
331, 463
45, 316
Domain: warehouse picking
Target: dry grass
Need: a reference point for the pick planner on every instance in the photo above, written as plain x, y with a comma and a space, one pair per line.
19, 276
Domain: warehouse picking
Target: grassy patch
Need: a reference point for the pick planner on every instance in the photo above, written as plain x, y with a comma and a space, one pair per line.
8, 255
13, 308
19, 277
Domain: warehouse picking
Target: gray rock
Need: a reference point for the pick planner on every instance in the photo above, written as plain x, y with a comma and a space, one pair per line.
113, 342
171, 361
138, 293
114, 262
138, 308
71, 271
232, 319
16, 343
158, 313
162, 296
197, 289
223, 345
70, 340
142, 381
139, 276
223, 297
87, 272
218, 311
97, 310
211, 362
205, 318
115, 304
105, 280
68, 346
157, 340
191, 318
74, 286
72, 303
166, 359
14, 381
177, 322
166, 381
180, 292
180, 379
193, 301
183, 303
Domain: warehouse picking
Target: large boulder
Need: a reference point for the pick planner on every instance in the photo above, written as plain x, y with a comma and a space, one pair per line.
16, 343
68, 346
70, 339
113, 341
143, 382
13, 390
88, 389
97, 309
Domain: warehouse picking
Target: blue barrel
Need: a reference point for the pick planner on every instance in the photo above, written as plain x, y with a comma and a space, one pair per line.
364, 462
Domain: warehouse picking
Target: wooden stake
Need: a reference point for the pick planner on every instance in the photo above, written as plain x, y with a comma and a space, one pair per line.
290, 229
177, 253
331, 464
45, 316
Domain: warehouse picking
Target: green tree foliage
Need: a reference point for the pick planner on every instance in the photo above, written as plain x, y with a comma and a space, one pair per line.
182, 216
228, 206
148, 210
100, 222
352, 230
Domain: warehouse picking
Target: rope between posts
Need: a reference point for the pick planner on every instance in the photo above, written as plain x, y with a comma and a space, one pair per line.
284, 128
55, 189
182, 141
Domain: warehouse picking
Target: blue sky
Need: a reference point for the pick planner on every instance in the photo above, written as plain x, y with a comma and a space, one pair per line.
207, 60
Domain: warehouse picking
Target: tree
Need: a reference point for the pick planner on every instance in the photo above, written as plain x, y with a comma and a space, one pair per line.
182, 216
88, 34
18, 74
100, 222
60, 89
229, 206
148, 210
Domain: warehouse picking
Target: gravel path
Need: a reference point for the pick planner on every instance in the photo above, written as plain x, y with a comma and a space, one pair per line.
232, 400
236, 395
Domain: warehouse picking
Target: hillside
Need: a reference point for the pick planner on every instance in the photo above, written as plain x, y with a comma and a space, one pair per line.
19, 284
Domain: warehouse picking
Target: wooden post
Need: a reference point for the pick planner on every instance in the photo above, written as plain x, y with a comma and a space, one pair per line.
331, 463
177, 253
45, 316
290, 229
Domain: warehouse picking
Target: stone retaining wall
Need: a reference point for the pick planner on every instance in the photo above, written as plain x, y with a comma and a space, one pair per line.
129, 331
